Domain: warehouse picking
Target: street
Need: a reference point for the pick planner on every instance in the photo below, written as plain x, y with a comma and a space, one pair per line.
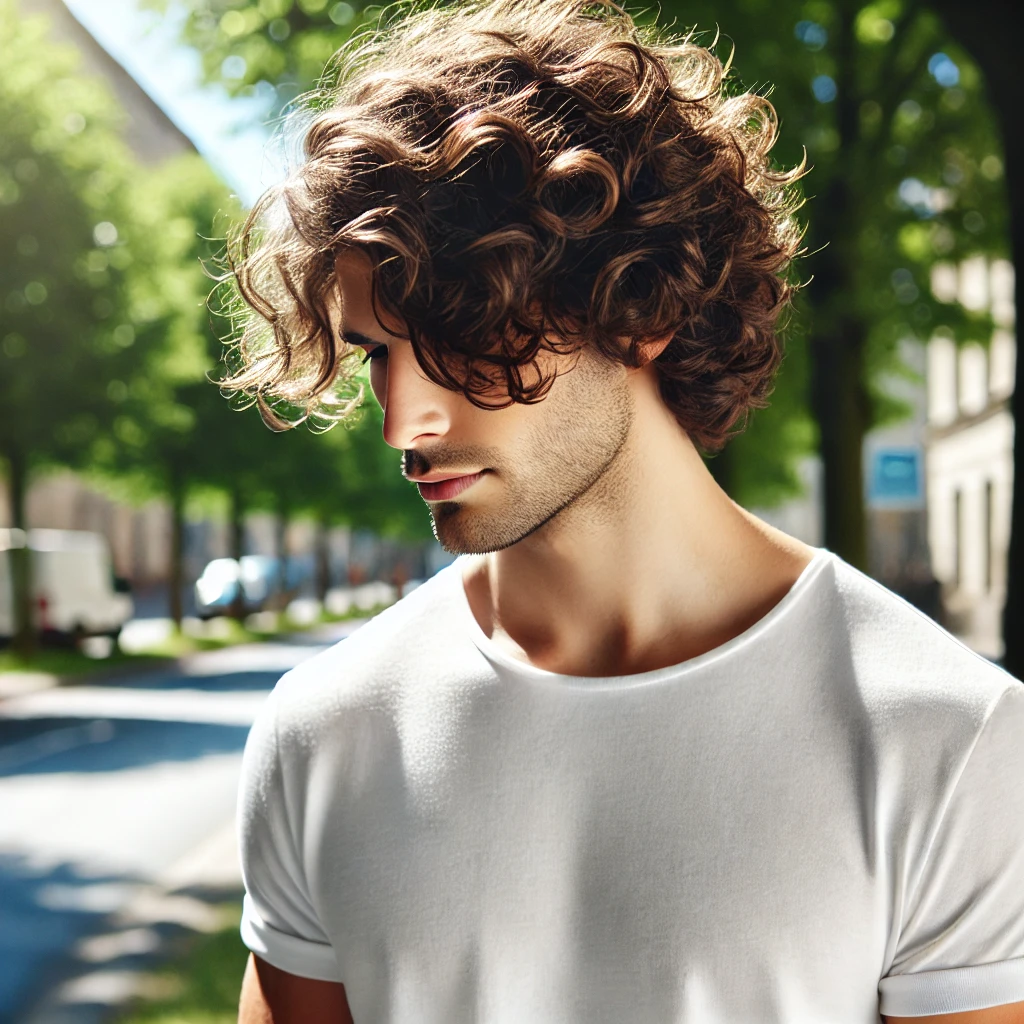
107, 792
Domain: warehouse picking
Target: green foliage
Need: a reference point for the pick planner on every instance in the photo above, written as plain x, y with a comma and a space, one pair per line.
346, 475
894, 113
905, 174
278, 46
763, 469
385, 501
164, 412
174, 424
66, 326
107, 343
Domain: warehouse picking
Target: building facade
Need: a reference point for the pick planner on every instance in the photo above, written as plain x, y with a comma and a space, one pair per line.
969, 441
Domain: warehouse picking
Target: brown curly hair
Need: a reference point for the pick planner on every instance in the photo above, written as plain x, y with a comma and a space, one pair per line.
517, 169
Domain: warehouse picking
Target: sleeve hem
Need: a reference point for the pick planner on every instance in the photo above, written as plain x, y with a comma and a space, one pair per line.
953, 990
289, 953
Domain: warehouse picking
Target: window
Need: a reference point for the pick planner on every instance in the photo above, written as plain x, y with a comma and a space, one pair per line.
989, 554
957, 537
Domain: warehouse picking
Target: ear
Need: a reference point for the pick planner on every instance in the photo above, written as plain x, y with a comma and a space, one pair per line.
653, 347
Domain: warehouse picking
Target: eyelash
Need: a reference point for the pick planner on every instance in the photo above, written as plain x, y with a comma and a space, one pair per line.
373, 353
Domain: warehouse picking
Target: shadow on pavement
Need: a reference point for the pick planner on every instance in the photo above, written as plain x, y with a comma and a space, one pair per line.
45, 911
69, 950
220, 683
34, 746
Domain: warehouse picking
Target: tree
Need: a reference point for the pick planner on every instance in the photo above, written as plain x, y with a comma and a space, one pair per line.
905, 172
65, 333
168, 417
268, 46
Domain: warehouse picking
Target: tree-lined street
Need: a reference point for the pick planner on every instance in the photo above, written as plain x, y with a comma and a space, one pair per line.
117, 797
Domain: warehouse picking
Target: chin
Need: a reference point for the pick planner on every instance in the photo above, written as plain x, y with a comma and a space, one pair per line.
461, 530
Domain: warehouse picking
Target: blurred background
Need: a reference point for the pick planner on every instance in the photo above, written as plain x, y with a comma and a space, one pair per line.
164, 556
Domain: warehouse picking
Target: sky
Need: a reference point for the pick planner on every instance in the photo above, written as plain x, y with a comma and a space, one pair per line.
228, 132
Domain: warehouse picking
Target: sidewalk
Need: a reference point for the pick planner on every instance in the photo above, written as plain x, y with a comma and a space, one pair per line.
119, 963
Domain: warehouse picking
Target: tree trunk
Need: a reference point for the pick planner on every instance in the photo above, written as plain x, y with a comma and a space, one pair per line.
237, 514
323, 559
1013, 610
281, 544
839, 396
840, 401
24, 641
177, 566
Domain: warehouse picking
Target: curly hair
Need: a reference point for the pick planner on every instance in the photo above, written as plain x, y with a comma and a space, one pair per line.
525, 175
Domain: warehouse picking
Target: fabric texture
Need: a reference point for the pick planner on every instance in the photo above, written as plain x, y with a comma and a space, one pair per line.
821, 820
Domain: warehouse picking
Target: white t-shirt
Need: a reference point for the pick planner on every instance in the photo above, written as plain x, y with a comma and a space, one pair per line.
819, 821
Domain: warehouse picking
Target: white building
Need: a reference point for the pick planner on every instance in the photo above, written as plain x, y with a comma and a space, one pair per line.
970, 455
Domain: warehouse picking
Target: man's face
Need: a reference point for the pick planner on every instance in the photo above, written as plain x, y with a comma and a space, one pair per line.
519, 466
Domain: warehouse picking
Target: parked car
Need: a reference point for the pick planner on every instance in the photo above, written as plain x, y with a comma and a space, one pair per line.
256, 576
74, 590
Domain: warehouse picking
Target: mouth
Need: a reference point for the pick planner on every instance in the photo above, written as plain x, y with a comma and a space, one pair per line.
445, 490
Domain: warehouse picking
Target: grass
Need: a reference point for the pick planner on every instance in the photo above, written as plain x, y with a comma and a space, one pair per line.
219, 632
213, 635
202, 986
61, 661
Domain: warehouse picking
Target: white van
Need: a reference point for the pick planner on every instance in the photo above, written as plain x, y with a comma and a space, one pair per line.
74, 589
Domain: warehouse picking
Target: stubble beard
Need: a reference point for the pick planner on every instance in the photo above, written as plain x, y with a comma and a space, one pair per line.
566, 466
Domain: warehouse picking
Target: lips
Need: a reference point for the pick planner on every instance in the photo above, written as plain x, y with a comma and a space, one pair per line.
445, 490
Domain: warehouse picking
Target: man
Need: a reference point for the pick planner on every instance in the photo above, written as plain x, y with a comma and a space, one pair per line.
636, 755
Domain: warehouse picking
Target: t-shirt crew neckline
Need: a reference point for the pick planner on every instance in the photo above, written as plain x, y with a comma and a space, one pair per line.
498, 657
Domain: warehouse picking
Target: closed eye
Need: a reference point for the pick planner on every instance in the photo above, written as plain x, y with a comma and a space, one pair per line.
374, 353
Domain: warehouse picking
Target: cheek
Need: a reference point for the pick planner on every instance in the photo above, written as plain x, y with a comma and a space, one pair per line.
379, 379
520, 432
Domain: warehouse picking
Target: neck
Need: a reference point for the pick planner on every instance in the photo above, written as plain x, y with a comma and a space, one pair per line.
655, 564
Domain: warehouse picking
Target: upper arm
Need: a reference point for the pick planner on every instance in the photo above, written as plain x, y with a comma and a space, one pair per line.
1008, 1013
961, 916
273, 996
281, 922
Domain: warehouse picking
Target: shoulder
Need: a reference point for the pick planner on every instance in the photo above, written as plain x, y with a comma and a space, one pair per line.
369, 676
910, 672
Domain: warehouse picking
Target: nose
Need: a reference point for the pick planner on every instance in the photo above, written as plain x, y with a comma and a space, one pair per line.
415, 408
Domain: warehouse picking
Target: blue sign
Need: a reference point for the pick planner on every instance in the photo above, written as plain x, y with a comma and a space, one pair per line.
896, 478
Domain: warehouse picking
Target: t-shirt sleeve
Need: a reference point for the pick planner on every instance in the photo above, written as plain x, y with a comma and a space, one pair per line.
279, 921
961, 946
